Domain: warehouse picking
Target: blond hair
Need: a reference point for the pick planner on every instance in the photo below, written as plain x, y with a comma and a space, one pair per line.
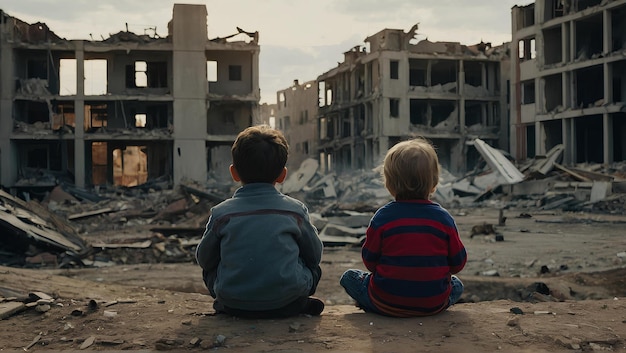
411, 170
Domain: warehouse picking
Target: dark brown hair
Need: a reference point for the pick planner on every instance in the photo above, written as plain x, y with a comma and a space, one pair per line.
259, 154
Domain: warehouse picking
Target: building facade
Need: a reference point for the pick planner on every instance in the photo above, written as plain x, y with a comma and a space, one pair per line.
296, 112
126, 109
568, 83
444, 91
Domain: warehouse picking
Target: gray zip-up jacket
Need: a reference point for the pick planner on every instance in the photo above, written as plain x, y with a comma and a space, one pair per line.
259, 250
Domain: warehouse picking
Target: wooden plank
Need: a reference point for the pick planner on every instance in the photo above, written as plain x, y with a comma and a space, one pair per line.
89, 213
138, 245
570, 172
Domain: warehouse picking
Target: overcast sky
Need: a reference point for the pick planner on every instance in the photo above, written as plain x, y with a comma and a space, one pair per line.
299, 39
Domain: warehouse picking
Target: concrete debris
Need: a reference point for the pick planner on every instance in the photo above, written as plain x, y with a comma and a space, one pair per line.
10, 308
498, 162
54, 227
26, 228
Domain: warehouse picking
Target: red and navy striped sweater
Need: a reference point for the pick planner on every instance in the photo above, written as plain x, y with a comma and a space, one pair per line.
412, 248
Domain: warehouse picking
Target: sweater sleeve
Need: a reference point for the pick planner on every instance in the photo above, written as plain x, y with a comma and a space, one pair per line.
371, 249
457, 256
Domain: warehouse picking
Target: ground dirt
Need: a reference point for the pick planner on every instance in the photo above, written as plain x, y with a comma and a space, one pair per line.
566, 272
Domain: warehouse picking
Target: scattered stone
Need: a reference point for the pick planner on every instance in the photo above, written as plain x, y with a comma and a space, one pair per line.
166, 344
88, 342
186, 322
109, 313
484, 228
499, 237
77, 312
220, 340
514, 321
43, 308
567, 343
517, 311
195, 341
491, 273
294, 326
93, 305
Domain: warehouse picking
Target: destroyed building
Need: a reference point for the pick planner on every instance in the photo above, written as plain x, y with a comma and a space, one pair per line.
568, 83
296, 115
445, 91
125, 109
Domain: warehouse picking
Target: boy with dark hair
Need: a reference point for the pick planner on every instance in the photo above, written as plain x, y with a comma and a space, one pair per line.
260, 254
412, 246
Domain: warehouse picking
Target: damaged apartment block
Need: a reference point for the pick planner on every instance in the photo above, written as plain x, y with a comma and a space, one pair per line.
445, 91
126, 109
569, 86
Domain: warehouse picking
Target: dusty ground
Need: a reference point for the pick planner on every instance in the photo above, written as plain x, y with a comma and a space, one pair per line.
575, 260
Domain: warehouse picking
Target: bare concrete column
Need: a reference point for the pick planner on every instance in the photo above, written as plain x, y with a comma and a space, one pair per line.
540, 140
8, 152
353, 138
572, 41
567, 89
568, 141
565, 54
255, 84
189, 28
461, 93
80, 164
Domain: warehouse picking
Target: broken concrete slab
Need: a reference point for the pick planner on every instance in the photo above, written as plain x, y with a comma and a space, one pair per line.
543, 166
20, 223
498, 162
10, 308
298, 179
27, 227
600, 190
333, 234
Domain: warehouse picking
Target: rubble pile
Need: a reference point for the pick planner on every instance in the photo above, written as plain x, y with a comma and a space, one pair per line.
153, 222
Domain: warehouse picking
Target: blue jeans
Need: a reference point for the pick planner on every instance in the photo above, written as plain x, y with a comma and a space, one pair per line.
355, 283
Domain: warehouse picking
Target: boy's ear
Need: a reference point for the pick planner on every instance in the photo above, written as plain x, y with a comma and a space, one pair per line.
282, 176
233, 173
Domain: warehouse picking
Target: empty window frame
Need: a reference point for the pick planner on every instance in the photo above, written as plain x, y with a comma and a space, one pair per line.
95, 77
528, 91
211, 71
143, 74
394, 108
394, 71
96, 116
234, 72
